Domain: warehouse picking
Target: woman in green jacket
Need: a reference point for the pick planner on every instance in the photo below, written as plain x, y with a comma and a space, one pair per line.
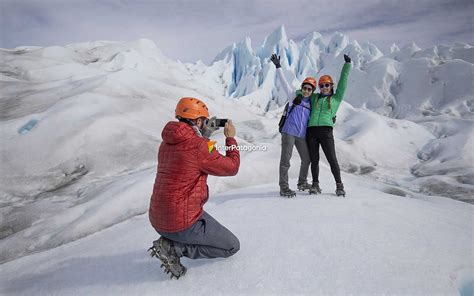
320, 126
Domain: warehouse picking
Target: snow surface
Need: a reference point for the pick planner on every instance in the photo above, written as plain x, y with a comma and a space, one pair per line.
370, 242
80, 128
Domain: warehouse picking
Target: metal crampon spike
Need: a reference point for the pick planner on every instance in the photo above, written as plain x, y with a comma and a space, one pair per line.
152, 251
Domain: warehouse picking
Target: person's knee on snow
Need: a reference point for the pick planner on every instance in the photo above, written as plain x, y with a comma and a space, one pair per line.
235, 247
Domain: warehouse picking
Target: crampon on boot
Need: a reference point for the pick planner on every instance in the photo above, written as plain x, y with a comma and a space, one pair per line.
303, 186
340, 190
163, 249
314, 189
287, 192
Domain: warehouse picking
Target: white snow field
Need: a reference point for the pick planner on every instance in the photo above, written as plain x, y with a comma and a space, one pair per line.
369, 243
80, 126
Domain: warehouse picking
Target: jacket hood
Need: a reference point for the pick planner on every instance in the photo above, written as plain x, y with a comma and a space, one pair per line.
176, 132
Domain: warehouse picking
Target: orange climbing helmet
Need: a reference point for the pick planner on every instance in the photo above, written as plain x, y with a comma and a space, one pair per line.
325, 79
311, 81
191, 108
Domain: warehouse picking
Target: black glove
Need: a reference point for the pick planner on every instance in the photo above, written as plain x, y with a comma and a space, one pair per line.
297, 100
276, 60
347, 59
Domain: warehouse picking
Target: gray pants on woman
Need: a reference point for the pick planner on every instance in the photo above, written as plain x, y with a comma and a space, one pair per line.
206, 238
287, 143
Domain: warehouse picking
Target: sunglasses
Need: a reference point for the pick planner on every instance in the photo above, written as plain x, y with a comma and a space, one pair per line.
325, 85
307, 88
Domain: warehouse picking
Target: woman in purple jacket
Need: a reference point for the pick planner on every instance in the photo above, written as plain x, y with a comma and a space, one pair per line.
294, 130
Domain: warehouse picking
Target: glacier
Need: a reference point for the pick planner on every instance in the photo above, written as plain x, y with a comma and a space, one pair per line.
404, 137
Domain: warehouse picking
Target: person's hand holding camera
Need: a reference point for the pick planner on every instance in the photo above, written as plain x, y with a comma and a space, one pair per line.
229, 129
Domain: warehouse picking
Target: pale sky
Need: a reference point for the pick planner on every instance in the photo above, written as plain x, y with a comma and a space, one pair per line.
193, 30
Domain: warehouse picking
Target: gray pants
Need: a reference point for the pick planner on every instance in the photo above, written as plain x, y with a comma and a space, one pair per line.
287, 143
206, 238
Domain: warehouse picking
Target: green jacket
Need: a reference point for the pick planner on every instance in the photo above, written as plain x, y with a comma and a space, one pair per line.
321, 114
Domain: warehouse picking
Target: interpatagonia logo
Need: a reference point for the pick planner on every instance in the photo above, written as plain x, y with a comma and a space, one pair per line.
242, 147
210, 146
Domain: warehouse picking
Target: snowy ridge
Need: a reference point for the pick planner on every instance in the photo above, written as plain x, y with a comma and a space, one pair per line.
76, 119
80, 127
369, 86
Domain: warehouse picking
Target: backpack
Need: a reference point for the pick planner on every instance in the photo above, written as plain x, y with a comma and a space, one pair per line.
285, 114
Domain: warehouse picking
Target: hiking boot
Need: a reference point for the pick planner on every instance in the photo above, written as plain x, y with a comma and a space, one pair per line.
314, 189
303, 186
287, 192
340, 190
163, 249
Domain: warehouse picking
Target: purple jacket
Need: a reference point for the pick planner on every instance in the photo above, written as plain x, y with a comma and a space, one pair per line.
297, 120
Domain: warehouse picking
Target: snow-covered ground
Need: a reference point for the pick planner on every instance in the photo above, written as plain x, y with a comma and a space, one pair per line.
370, 242
80, 128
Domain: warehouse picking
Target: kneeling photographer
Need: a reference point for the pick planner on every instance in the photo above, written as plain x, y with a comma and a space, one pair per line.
185, 158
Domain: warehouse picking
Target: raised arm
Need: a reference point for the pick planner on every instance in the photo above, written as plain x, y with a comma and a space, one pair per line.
279, 71
342, 84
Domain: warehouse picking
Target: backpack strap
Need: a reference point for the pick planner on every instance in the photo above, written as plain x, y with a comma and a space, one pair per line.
297, 101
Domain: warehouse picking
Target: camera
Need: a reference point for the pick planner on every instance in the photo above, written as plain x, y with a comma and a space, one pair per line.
220, 122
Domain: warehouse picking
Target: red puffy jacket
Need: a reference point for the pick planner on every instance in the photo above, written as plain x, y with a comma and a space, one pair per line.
180, 189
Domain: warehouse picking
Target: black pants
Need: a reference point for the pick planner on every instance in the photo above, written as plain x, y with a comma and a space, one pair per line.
322, 135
